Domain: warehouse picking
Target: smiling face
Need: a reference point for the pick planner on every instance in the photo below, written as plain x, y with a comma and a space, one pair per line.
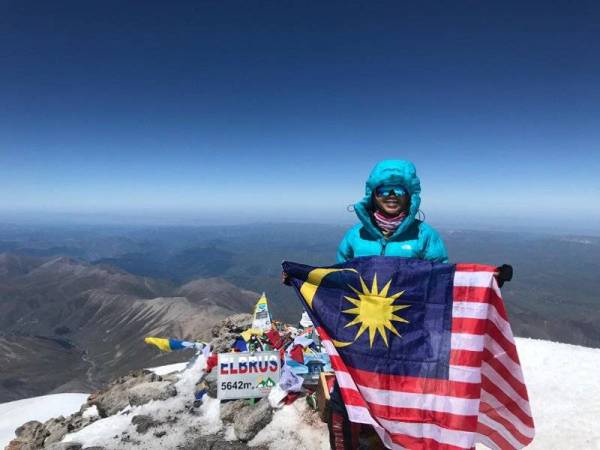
392, 204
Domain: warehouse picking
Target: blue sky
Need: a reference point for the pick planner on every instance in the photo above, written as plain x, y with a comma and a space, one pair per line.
245, 111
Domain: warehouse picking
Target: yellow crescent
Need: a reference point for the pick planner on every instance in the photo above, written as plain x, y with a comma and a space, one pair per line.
310, 286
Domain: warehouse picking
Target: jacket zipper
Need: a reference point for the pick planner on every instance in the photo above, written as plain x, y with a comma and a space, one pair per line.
383, 244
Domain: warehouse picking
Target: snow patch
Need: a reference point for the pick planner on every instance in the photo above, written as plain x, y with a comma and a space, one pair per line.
564, 388
92, 411
170, 368
294, 426
562, 381
14, 414
117, 432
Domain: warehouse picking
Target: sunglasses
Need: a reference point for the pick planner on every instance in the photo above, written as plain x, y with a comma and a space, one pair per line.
386, 191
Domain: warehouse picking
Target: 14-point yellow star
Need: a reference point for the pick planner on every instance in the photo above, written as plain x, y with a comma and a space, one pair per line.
375, 310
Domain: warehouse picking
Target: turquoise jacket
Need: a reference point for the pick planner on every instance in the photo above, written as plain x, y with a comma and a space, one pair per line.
412, 239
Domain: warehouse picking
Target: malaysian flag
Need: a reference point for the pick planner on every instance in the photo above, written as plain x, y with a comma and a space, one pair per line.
422, 351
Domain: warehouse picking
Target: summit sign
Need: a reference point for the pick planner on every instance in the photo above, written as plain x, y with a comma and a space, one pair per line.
247, 374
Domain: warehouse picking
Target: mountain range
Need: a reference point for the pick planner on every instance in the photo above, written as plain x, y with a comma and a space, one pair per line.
76, 302
69, 326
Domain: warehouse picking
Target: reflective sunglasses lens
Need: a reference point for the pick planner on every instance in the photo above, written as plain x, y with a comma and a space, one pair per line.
385, 191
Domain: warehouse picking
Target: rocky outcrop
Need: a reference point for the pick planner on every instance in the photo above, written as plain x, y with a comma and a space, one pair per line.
117, 395
250, 420
36, 435
225, 332
241, 420
30, 436
147, 392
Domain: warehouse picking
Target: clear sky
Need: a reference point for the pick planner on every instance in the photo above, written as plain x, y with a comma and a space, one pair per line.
277, 110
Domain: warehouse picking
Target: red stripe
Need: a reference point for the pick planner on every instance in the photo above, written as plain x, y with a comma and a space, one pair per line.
474, 294
470, 267
414, 443
492, 412
469, 326
324, 336
465, 358
495, 437
415, 385
507, 346
353, 397
506, 374
508, 402
443, 419
477, 294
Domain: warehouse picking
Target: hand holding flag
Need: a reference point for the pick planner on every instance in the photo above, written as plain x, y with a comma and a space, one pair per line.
422, 351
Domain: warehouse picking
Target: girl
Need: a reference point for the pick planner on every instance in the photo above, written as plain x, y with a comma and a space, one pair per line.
388, 224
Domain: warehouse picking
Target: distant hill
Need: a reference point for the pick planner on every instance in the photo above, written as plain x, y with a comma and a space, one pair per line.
102, 288
65, 322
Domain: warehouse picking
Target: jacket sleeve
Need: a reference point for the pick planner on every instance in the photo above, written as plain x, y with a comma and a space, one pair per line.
345, 252
435, 250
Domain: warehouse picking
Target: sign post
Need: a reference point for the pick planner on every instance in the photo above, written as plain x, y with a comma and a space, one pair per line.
247, 374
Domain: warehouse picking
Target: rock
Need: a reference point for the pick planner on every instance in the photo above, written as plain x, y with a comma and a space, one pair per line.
30, 436
200, 443
227, 330
250, 420
143, 423
222, 343
116, 396
56, 428
64, 446
235, 445
159, 434
235, 324
214, 442
95, 447
229, 410
29, 430
211, 383
145, 392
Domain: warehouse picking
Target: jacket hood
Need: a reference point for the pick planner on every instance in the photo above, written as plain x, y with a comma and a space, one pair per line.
390, 172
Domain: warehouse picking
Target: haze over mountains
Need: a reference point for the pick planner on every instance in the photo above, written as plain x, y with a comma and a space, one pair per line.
76, 302
69, 326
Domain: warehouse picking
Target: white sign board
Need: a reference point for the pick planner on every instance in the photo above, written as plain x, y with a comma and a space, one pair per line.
247, 374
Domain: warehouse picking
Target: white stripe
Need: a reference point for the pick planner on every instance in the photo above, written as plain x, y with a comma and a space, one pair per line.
464, 341
360, 414
470, 310
485, 440
501, 324
501, 356
431, 402
465, 373
329, 347
417, 430
476, 279
502, 410
501, 383
486, 311
345, 380
459, 438
501, 430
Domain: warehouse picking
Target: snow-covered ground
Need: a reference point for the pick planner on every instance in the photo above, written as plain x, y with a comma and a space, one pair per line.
563, 383
562, 379
164, 370
14, 414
